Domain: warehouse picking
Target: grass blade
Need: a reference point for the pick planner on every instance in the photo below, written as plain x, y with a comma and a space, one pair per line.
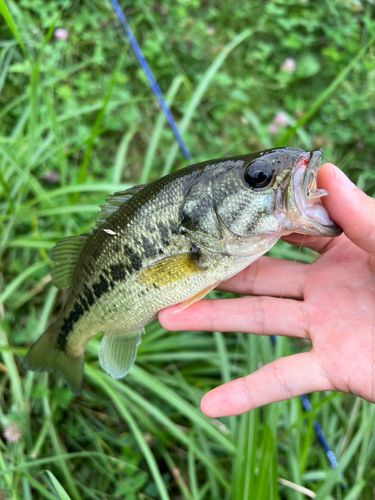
326, 94
121, 155
96, 128
60, 490
169, 425
146, 451
334, 477
201, 89
142, 377
20, 278
42, 490
158, 130
4, 11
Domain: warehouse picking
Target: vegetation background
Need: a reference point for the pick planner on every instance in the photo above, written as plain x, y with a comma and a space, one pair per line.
78, 121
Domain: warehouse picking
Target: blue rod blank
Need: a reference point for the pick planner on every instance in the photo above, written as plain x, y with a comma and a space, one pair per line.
154, 85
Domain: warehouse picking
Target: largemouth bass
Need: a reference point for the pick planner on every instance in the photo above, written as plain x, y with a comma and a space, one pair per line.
169, 242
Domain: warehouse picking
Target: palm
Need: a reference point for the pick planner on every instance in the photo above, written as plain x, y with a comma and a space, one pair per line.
339, 297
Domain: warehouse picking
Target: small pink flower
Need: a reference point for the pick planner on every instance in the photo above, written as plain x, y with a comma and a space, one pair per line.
281, 119
289, 65
52, 177
12, 433
61, 34
211, 30
272, 129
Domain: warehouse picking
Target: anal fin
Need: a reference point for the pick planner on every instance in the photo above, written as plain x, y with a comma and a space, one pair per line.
198, 296
118, 352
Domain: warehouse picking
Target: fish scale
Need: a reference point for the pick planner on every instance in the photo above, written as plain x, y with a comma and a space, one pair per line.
171, 242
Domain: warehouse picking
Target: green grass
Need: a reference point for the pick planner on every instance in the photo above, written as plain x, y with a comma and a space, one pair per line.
82, 109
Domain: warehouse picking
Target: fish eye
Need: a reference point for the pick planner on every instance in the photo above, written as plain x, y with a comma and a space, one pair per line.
258, 175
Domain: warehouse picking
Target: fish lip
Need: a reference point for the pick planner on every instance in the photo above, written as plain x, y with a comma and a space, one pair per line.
313, 217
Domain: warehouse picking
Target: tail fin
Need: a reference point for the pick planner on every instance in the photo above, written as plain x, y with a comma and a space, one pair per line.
46, 356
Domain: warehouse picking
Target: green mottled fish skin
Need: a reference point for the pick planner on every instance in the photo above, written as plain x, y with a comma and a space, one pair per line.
107, 295
205, 211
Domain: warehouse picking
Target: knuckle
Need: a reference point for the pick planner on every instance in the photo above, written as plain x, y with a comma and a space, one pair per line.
258, 313
247, 394
250, 276
278, 373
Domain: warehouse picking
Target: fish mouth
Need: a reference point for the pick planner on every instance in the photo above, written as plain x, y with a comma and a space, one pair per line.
312, 217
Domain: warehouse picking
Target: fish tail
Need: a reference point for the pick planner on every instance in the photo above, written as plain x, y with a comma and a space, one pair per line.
46, 355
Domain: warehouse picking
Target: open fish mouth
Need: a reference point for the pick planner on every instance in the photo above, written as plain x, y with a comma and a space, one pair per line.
312, 214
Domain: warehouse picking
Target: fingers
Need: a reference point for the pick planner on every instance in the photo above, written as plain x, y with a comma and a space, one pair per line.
282, 379
259, 315
349, 207
269, 276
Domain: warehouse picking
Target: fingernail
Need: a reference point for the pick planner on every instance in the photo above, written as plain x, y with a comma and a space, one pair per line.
343, 179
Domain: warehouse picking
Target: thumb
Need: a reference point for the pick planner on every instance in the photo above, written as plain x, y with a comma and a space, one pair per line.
349, 207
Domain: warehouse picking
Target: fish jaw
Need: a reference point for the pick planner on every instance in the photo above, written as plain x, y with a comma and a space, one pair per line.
300, 200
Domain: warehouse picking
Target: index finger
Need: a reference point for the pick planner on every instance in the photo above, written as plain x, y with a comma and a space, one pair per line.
269, 276
258, 315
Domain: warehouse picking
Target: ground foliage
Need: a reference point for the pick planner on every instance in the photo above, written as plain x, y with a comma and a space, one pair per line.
78, 121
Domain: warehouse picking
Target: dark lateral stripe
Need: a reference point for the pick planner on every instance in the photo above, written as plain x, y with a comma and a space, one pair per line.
82, 304
85, 304
117, 272
89, 295
100, 287
135, 261
68, 324
149, 250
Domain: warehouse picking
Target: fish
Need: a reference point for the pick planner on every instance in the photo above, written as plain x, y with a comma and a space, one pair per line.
171, 242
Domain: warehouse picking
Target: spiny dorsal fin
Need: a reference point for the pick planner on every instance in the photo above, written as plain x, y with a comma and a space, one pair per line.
114, 202
66, 254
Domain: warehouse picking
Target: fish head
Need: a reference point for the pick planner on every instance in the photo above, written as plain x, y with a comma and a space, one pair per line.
274, 191
278, 192
243, 205
298, 198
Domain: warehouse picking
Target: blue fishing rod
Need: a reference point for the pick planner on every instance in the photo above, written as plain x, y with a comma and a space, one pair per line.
154, 84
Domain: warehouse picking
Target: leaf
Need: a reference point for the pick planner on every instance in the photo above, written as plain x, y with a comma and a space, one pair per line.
60, 490
307, 66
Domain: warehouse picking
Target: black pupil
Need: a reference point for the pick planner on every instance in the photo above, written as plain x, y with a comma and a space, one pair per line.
258, 176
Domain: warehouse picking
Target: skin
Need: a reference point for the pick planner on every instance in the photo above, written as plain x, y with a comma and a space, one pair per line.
331, 302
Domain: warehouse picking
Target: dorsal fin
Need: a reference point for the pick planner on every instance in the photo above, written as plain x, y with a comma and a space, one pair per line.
114, 202
66, 254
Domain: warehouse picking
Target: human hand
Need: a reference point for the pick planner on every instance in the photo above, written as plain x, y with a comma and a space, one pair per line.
331, 302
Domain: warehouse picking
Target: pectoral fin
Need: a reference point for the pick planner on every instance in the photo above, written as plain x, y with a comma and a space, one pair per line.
171, 270
118, 352
198, 296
